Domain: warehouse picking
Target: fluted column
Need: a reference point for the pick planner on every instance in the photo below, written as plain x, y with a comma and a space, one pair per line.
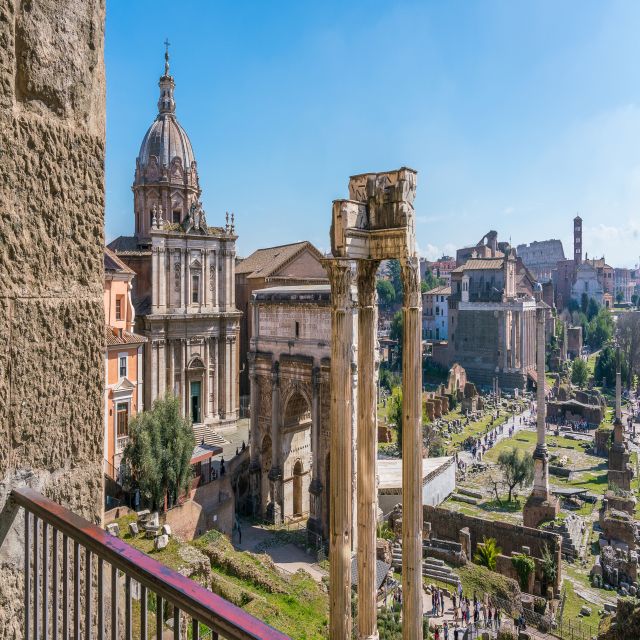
162, 368
216, 292
205, 382
154, 279
205, 279
162, 280
172, 366
183, 376
253, 418
315, 488
183, 284
216, 385
411, 452
339, 272
367, 453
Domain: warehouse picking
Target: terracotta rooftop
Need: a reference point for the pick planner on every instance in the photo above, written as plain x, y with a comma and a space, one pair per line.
113, 263
117, 336
480, 263
443, 290
264, 262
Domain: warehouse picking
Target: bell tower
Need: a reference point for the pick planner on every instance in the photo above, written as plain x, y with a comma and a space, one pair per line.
577, 240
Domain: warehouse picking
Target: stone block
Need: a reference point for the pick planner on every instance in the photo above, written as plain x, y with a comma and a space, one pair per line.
161, 542
133, 529
113, 529
165, 530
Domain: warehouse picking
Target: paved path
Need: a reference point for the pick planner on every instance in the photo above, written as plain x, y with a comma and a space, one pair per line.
286, 556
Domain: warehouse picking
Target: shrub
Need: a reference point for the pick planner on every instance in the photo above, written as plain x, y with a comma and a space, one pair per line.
524, 566
487, 553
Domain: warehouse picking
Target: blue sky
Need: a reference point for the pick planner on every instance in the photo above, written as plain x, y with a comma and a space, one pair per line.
516, 115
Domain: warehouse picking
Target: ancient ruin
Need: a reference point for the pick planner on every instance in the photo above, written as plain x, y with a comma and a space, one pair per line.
620, 469
376, 223
541, 505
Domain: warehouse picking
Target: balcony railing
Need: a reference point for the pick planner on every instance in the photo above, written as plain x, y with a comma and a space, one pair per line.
73, 586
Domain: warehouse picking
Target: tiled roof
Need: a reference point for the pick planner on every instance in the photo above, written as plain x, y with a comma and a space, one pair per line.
128, 245
113, 263
439, 291
120, 336
263, 262
480, 263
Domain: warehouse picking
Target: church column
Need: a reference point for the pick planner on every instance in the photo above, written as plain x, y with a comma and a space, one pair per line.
172, 366
162, 280
222, 347
183, 376
205, 381
154, 370
340, 482
162, 369
215, 385
232, 279
188, 280
183, 284
222, 299
367, 450
411, 451
512, 318
254, 436
274, 509
205, 276
523, 340
503, 320
216, 300
154, 280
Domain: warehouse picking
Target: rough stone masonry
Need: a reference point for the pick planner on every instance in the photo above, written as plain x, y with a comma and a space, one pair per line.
52, 125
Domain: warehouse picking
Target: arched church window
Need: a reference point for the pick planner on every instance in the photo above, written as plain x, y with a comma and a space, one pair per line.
176, 216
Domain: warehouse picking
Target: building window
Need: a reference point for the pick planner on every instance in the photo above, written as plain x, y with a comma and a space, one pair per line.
176, 216
119, 301
122, 366
297, 329
195, 288
122, 420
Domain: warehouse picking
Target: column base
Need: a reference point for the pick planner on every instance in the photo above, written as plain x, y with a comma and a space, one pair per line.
540, 508
368, 637
274, 513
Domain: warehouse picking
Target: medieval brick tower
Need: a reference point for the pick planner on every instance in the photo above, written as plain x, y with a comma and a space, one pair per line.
577, 240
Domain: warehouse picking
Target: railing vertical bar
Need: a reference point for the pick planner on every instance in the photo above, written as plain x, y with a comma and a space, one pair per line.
127, 623
36, 579
114, 603
54, 584
100, 599
159, 616
87, 591
27, 573
45, 579
65, 587
143, 612
76, 591
176, 623
195, 629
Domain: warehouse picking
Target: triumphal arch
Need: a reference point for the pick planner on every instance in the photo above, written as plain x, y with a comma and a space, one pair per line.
376, 223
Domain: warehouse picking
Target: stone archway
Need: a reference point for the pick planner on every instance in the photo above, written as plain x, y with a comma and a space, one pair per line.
298, 471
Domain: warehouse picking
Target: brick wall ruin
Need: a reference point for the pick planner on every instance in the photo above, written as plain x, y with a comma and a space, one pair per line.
51, 245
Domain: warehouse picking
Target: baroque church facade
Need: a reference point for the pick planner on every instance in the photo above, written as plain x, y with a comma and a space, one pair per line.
184, 289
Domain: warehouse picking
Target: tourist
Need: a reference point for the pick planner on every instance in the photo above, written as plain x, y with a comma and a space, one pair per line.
445, 631
434, 600
489, 621
436, 636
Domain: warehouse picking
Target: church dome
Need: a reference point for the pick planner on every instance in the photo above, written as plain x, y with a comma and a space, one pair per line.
165, 139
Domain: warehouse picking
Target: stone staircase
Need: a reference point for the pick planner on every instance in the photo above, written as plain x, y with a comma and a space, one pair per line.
431, 567
570, 530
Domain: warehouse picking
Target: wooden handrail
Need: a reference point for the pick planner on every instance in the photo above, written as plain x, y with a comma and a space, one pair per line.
201, 604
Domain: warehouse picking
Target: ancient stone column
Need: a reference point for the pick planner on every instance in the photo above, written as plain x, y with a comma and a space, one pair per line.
205, 381
618, 387
274, 509
254, 436
367, 453
411, 451
339, 272
541, 505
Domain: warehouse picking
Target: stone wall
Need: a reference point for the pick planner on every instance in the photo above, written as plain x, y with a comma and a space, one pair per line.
511, 538
51, 267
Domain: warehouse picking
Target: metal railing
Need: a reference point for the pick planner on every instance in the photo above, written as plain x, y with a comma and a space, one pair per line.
74, 572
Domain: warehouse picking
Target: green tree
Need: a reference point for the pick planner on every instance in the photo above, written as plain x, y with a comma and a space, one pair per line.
599, 329
634, 299
584, 303
395, 413
517, 469
579, 372
159, 451
524, 565
619, 297
396, 279
628, 335
592, 309
549, 568
429, 281
605, 369
386, 293
487, 553
395, 332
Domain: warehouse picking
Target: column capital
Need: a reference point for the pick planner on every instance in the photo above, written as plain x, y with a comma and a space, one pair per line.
340, 277
366, 278
410, 275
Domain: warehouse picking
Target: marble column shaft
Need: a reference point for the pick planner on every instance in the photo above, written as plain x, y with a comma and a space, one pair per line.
411, 451
540, 375
367, 450
340, 471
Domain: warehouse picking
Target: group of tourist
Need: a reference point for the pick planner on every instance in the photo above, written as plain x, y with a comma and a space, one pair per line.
468, 613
